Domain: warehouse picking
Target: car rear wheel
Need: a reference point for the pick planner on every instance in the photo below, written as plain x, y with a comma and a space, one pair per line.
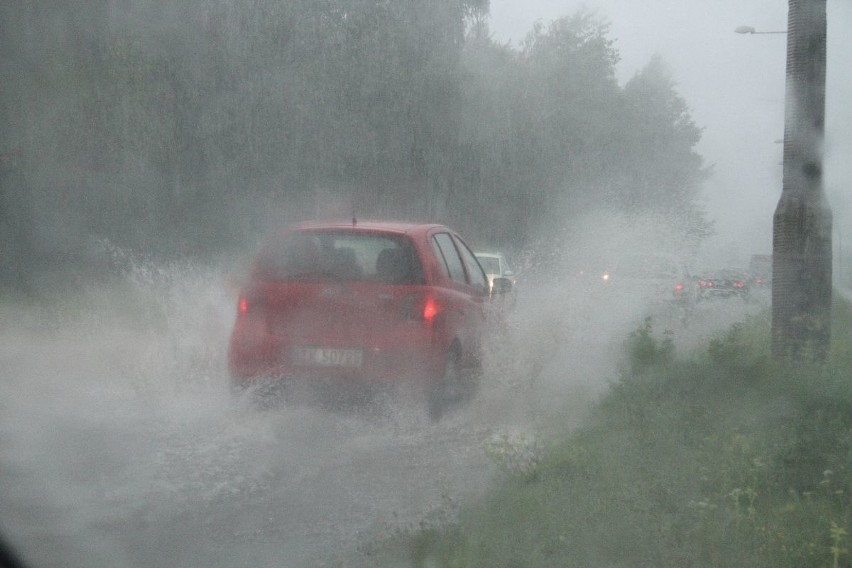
454, 388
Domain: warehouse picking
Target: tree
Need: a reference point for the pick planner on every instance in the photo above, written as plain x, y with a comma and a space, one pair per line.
186, 128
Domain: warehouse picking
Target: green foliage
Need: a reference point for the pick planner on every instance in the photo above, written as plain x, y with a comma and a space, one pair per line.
516, 453
722, 459
645, 352
182, 129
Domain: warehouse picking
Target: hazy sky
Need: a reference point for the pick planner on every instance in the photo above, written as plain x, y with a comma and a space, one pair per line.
734, 85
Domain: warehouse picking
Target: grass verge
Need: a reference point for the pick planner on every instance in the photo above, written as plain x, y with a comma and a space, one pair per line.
722, 459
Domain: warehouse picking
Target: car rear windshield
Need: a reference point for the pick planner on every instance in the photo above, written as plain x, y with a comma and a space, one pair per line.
339, 256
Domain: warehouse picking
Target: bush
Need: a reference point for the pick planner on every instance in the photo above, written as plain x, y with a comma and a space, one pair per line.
723, 459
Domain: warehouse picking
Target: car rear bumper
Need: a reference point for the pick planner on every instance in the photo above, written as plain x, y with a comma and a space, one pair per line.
409, 356
721, 293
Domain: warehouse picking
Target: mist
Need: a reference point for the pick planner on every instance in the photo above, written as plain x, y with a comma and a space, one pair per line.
150, 148
734, 87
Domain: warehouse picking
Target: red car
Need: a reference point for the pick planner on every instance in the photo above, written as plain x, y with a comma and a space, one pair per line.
362, 303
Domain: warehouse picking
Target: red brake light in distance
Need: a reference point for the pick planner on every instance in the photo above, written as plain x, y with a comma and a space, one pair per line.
678, 287
243, 304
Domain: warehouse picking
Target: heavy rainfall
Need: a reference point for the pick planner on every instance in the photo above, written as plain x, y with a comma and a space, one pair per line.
149, 147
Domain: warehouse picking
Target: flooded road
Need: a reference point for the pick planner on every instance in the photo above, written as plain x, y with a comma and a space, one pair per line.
120, 444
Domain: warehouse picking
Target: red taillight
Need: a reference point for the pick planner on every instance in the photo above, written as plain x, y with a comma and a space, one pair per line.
249, 303
705, 284
678, 288
430, 310
739, 284
420, 307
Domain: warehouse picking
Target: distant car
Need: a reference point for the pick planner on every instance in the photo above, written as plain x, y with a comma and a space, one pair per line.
497, 271
359, 304
724, 284
760, 270
656, 277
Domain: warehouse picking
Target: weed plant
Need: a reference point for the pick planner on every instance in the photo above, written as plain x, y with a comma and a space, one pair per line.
724, 458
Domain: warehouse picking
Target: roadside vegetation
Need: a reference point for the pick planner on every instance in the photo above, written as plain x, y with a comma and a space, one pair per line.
189, 130
721, 458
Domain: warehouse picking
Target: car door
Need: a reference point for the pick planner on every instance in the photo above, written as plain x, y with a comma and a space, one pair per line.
479, 297
465, 299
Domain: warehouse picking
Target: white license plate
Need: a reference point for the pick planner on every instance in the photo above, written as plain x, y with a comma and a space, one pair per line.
322, 357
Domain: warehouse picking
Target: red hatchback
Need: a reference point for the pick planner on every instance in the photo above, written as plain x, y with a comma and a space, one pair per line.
362, 303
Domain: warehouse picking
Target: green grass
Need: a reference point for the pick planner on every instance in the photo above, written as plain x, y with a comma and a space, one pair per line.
722, 459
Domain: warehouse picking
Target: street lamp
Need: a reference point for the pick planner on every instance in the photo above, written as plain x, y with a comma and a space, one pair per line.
751, 31
802, 223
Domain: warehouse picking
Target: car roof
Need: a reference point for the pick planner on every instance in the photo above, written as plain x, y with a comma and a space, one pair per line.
489, 254
401, 227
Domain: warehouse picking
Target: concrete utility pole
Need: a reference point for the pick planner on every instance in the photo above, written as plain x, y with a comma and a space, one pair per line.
801, 240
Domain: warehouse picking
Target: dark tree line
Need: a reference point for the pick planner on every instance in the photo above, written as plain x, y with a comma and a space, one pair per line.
187, 128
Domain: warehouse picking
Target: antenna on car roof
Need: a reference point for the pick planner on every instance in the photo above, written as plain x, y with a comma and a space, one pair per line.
354, 220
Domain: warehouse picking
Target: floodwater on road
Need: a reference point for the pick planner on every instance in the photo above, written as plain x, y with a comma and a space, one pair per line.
121, 445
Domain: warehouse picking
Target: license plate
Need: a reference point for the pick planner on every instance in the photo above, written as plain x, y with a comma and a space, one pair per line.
322, 357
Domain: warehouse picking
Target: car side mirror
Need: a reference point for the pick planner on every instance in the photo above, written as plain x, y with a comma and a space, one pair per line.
501, 286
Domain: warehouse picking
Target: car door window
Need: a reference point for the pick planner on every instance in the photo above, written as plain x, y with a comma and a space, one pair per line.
447, 251
477, 277
491, 264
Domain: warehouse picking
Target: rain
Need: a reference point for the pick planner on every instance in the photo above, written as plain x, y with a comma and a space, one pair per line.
148, 148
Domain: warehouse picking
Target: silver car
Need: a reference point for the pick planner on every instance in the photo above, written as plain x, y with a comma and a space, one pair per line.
501, 278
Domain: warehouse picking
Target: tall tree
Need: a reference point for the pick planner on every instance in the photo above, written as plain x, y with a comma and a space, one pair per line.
179, 128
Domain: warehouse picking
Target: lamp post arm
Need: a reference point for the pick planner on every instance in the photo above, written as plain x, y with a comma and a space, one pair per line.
751, 31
